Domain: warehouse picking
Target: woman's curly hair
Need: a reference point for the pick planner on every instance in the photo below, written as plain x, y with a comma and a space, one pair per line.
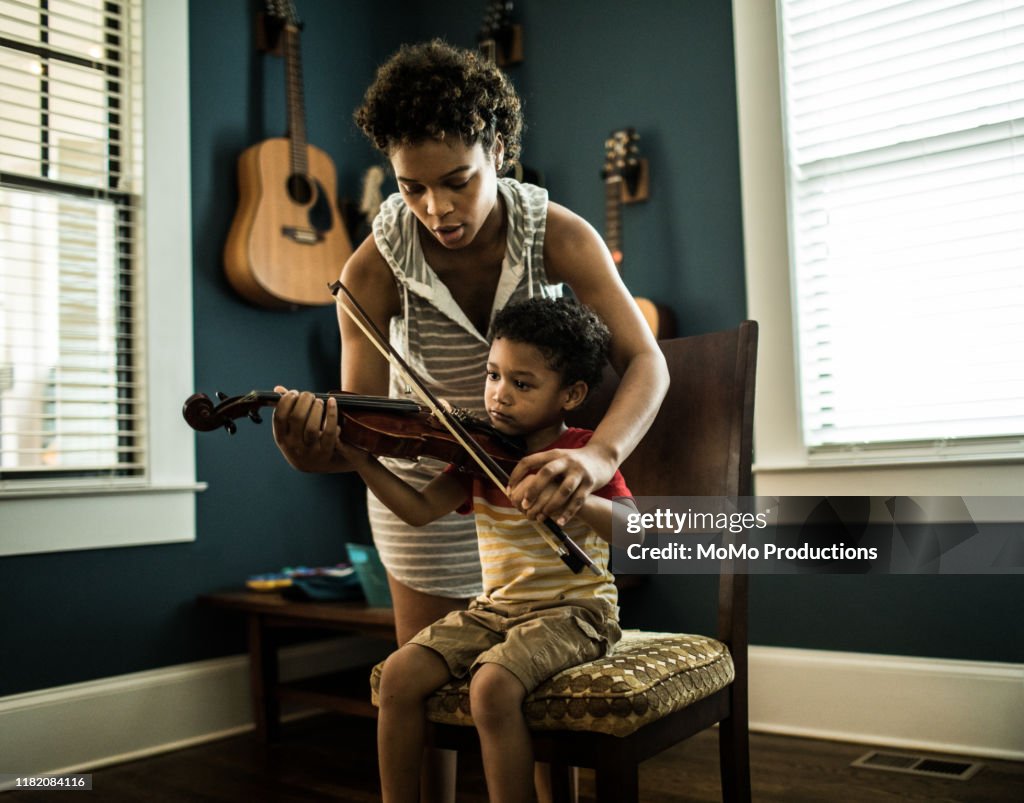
434, 90
570, 335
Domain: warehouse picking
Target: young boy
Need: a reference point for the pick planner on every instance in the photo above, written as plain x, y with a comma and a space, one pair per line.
535, 617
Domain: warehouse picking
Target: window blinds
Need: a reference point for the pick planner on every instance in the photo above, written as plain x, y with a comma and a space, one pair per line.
71, 380
905, 160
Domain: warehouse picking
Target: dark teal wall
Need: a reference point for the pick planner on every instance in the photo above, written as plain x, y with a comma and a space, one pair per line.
591, 66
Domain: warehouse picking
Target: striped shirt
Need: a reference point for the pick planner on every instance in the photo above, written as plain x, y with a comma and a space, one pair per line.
518, 565
445, 349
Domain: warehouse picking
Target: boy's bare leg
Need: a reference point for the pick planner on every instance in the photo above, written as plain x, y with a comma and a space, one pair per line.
414, 610
408, 677
496, 700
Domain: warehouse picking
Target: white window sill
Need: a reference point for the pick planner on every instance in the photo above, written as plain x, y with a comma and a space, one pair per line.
94, 519
854, 459
987, 477
55, 489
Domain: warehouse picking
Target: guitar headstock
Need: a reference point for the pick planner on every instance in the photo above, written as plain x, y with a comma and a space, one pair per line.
623, 165
283, 11
369, 203
276, 17
621, 153
499, 39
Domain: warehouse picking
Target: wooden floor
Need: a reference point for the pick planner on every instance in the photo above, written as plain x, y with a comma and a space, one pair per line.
331, 757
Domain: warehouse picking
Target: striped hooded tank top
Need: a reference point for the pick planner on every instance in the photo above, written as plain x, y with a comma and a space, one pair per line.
439, 342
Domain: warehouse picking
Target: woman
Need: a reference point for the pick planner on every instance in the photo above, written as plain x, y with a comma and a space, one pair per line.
451, 248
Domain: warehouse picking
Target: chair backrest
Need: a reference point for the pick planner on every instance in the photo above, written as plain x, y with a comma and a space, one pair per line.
701, 442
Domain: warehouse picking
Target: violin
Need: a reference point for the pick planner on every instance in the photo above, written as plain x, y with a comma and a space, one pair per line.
379, 425
463, 445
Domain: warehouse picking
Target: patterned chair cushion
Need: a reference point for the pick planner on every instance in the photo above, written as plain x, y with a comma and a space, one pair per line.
648, 676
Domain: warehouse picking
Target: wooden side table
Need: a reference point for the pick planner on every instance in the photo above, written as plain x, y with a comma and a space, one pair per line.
268, 614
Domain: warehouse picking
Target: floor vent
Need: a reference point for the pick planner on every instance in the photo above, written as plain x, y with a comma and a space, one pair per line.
918, 765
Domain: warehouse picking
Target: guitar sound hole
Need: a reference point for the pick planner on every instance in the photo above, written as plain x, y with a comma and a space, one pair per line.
299, 189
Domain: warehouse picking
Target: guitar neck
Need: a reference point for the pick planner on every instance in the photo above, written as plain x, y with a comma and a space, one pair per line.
296, 101
613, 218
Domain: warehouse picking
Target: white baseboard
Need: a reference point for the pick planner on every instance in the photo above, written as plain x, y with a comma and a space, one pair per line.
959, 707
84, 726
969, 708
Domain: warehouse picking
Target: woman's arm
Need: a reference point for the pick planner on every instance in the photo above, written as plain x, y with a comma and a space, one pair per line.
416, 508
556, 483
304, 429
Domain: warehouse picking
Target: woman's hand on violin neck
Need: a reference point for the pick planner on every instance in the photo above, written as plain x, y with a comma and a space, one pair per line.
554, 484
306, 430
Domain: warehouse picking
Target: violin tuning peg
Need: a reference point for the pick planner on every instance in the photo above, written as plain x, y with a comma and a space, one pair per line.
221, 395
230, 427
254, 416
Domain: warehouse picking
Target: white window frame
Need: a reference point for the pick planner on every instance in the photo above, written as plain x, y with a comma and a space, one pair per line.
160, 509
782, 464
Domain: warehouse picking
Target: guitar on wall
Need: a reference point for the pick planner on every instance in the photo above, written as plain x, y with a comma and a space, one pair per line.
500, 41
626, 181
288, 240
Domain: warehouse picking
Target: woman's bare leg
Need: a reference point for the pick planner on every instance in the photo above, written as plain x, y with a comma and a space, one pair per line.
414, 610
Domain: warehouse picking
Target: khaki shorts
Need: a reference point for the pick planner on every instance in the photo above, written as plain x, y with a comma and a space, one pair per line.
533, 641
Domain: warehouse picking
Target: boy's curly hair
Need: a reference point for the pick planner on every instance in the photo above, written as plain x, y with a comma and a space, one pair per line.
434, 90
570, 335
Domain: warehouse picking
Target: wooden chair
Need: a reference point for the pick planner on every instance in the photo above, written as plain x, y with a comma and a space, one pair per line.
656, 689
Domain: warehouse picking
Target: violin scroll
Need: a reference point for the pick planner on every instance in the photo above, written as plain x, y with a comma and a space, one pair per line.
201, 414
198, 412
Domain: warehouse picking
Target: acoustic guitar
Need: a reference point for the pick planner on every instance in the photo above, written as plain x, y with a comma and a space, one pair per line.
288, 240
625, 181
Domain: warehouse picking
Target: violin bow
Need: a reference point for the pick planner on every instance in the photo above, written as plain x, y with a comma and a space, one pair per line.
568, 550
